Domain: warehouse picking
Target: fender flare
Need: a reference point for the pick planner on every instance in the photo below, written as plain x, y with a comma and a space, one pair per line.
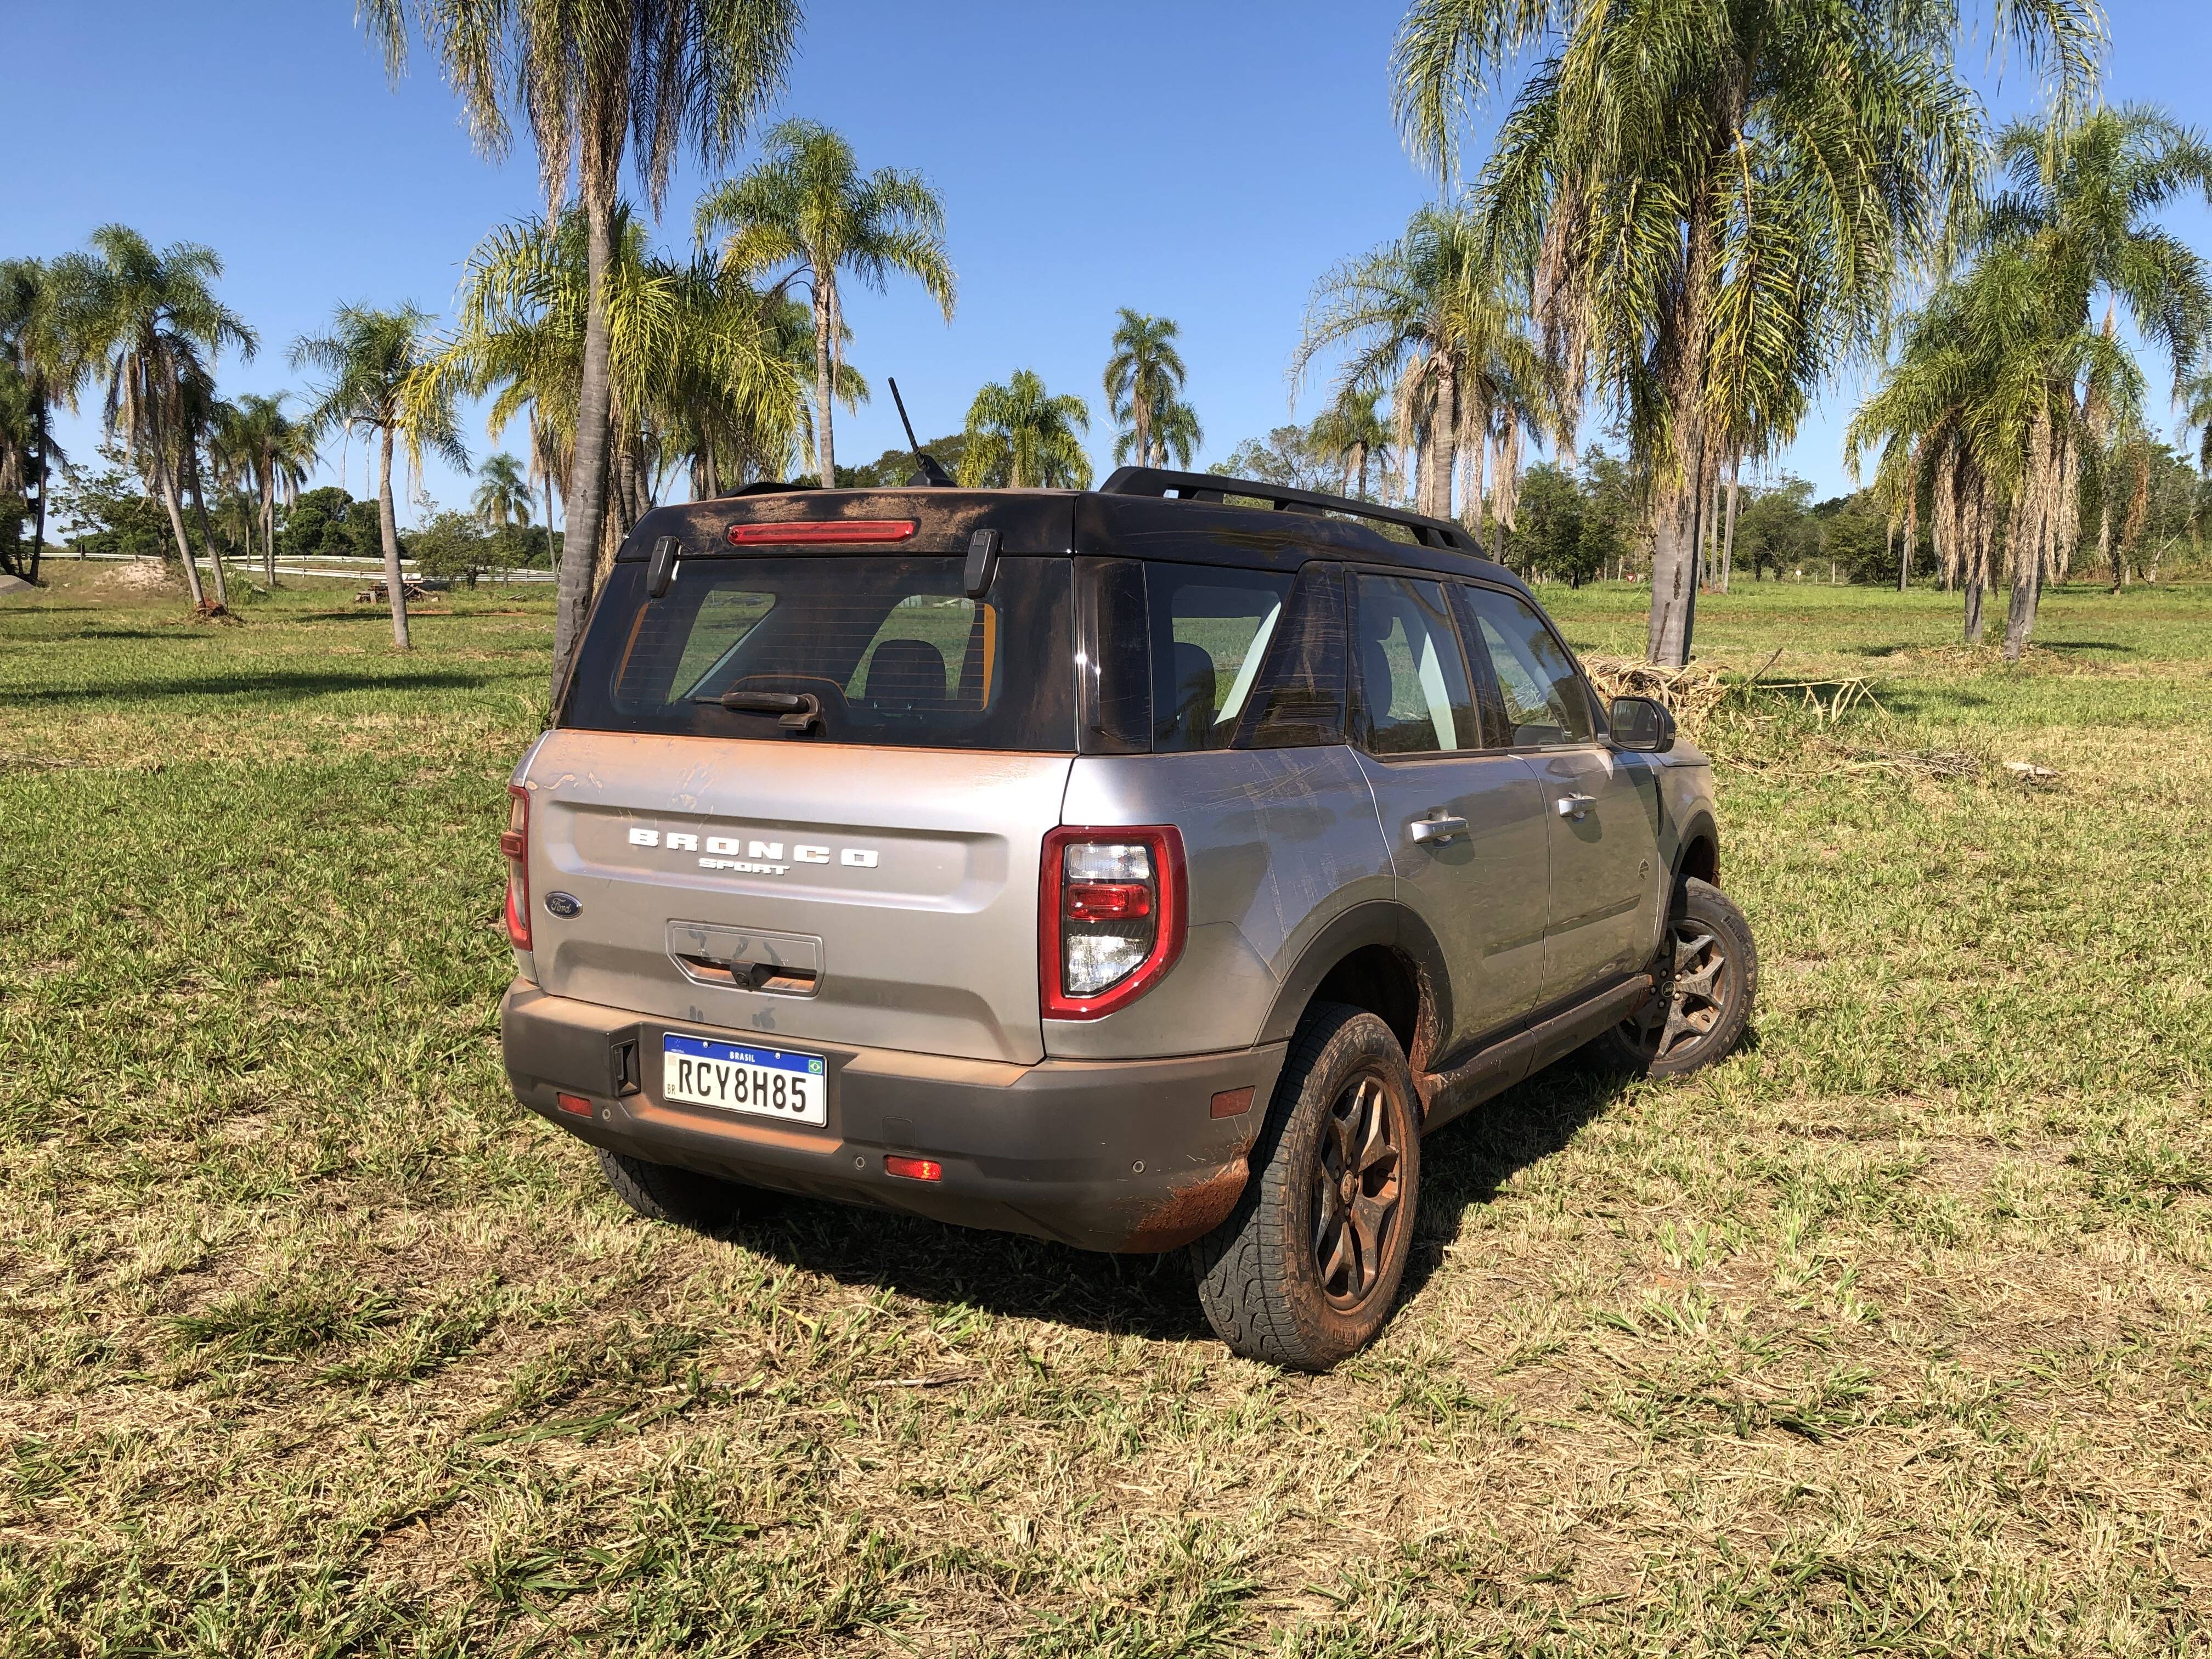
1375, 921
1700, 828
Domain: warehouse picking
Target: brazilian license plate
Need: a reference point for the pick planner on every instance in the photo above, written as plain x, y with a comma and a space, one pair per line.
735, 1077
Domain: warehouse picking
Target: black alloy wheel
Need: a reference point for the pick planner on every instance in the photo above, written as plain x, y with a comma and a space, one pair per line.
1708, 976
1355, 1193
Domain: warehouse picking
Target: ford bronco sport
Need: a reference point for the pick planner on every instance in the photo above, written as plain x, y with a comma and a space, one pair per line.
1142, 867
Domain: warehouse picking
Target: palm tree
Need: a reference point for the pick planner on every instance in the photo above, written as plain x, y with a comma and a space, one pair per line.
1986, 407
808, 208
147, 324
596, 78
381, 380
1145, 374
700, 364
2194, 396
1396, 307
1350, 429
1429, 318
1176, 435
20, 457
1020, 437
502, 494
268, 453
2082, 196
34, 343
1652, 150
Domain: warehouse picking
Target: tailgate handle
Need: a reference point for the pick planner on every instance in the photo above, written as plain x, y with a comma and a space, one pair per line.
740, 959
776, 979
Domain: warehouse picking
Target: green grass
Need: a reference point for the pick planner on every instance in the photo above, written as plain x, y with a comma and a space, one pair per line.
1888, 1336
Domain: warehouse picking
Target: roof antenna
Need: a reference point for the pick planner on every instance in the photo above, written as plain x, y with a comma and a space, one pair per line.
926, 472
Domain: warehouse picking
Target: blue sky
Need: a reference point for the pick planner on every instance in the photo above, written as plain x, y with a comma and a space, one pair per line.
1204, 161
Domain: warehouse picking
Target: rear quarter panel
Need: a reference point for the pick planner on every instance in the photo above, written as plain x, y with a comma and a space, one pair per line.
1277, 843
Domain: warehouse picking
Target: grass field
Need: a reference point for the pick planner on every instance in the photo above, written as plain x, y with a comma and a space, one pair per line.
1890, 1335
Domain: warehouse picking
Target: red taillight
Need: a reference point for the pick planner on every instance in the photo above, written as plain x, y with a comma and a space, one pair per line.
820, 532
514, 847
913, 1168
1110, 916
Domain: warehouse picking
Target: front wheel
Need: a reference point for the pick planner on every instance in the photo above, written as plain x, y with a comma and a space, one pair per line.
1708, 974
1307, 1268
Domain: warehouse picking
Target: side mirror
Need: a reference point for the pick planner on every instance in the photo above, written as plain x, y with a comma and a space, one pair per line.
1642, 725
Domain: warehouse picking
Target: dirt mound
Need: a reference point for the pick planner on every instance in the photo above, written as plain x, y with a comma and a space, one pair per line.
139, 576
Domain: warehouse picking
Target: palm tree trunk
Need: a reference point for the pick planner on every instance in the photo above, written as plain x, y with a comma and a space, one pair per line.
1727, 536
387, 523
1144, 414
2106, 551
1674, 573
38, 511
587, 473
825, 308
168, 487
1676, 519
1443, 440
269, 528
207, 535
1360, 450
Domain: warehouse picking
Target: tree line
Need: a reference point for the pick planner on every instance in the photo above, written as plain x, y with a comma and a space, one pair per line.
1683, 229
1680, 234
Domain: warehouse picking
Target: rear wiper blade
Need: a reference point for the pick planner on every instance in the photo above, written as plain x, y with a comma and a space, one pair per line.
801, 710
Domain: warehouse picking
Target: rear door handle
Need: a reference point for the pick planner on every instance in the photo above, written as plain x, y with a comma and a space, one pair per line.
1441, 828
1575, 806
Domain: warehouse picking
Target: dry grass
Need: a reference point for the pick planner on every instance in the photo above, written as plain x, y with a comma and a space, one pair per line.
1891, 1334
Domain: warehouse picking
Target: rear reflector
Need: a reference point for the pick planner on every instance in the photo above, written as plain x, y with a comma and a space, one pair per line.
821, 532
1232, 1102
913, 1168
575, 1105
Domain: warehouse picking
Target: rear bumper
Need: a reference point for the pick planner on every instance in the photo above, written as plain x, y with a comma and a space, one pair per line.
1104, 1155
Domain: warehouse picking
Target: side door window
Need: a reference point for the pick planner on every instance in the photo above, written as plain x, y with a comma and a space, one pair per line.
1414, 695
1539, 689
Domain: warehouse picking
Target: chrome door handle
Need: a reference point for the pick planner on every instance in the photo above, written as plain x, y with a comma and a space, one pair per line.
1575, 806
1441, 828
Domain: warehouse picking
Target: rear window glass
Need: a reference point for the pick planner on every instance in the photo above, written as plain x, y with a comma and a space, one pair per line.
877, 650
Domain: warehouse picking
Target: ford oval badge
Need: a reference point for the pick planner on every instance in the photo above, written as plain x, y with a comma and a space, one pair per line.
562, 905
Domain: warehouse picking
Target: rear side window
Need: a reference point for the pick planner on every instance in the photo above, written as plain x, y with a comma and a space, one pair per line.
1210, 631
889, 650
1415, 693
1537, 683
1189, 656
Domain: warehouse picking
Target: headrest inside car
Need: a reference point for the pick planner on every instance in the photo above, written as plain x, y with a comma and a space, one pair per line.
907, 671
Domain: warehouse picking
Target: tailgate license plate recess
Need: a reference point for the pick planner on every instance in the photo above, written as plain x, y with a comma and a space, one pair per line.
731, 1077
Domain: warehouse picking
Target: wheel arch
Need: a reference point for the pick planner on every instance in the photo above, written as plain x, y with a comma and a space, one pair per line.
1377, 956
1699, 853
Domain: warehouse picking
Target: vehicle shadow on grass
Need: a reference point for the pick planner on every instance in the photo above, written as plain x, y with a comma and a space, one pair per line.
292, 682
1464, 1163
1003, 1274
1468, 1162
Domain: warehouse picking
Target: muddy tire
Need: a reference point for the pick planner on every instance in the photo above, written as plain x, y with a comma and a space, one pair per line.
660, 1192
1307, 1268
1708, 980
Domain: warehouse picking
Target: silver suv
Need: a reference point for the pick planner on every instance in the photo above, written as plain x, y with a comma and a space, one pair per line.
1144, 867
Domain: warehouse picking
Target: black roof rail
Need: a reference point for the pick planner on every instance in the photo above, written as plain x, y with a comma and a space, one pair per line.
1213, 487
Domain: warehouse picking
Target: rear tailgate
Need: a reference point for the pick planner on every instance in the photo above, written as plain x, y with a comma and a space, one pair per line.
877, 896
